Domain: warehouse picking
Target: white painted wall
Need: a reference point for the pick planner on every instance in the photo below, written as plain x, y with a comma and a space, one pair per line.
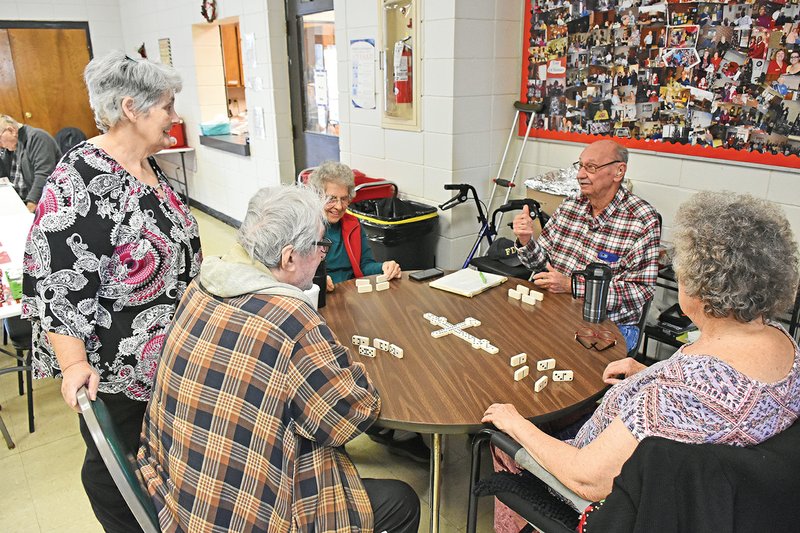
103, 17
220, 180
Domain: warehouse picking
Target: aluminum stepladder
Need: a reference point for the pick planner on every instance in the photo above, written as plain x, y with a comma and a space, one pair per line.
528, 110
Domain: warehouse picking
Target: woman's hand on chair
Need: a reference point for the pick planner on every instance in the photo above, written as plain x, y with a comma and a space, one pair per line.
74, 377
504, 416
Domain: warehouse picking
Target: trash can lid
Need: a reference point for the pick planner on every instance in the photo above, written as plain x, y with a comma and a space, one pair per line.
386, 222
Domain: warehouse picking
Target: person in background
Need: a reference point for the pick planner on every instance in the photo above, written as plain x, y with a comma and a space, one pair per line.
794, 63
350, 255
736, 261
604, 223
255, 398
29, 155
109, 254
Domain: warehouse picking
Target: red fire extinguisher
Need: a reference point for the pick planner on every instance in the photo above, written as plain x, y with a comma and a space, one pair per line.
403, 93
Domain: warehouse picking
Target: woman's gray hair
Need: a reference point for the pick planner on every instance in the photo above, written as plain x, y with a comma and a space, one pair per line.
737, 254
114, 76
333, 172
278, 216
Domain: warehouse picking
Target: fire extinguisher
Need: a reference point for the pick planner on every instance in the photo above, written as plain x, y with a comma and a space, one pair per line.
402, 72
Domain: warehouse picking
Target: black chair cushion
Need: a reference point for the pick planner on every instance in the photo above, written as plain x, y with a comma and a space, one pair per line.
19, 332
530, 497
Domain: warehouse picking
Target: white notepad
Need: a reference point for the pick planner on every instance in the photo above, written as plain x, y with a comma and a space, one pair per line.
467, 282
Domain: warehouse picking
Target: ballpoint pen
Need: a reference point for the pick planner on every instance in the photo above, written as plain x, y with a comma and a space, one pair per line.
483, 278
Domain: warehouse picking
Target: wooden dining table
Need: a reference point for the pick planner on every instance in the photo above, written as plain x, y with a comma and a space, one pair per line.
444, 385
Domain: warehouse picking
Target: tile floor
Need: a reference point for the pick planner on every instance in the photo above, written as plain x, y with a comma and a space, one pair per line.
42, 491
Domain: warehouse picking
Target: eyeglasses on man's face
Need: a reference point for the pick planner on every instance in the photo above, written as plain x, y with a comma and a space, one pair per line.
598, 339
591, 168
341, 200
324, 245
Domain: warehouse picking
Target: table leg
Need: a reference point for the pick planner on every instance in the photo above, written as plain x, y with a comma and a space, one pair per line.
435, 480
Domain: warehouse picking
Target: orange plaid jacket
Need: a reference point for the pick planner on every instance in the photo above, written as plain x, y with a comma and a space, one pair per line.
252, 404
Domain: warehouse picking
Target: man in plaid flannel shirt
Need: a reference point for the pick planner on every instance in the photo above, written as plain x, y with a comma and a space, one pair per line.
255, 398
604, 223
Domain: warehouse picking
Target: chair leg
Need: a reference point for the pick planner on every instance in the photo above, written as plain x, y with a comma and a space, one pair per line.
474, 473
20, 363
6, 435
641, 357
29, 379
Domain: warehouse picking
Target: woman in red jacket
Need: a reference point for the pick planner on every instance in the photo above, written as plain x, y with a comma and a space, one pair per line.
350, 255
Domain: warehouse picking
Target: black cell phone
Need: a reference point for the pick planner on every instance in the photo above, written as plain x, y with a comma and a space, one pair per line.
422, 275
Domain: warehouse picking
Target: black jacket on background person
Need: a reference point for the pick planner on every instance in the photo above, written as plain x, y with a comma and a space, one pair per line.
672, 487
38, 154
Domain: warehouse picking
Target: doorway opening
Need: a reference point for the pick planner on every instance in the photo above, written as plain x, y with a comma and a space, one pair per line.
313, 77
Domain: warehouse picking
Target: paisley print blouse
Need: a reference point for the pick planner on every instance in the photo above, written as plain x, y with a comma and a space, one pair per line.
106, 261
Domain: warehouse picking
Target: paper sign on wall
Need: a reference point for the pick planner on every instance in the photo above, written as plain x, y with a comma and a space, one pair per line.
362, 81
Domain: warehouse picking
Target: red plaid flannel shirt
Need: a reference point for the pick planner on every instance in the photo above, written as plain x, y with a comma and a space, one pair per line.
628, 228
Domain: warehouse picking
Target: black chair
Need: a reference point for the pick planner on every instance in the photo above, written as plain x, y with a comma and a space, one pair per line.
634, 352
18, 331
119, 461
68, 137
495, 266
795, 319
671, 487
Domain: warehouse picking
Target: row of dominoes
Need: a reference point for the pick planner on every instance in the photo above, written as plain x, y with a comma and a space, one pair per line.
541, 366
527, 295
365, 284
377, 344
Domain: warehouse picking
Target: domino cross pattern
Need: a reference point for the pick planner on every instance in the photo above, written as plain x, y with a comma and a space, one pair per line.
458, 331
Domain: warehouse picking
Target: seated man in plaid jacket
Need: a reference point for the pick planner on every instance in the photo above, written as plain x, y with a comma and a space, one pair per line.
604, 223
254, 398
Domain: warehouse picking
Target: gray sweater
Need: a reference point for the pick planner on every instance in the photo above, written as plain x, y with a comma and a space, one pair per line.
38, 155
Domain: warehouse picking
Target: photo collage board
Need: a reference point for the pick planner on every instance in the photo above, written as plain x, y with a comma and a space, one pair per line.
699, 74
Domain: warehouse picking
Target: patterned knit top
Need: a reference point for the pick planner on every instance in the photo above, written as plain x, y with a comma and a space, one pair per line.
699, 399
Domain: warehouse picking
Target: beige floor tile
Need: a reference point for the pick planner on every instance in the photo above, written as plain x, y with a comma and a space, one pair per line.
215, 236
17, 510
53, 474
53, 419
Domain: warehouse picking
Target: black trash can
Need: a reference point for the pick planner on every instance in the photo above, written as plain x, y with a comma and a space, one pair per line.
401, 230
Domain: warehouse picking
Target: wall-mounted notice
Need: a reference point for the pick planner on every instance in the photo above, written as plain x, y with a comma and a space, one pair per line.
165, 51
362, 82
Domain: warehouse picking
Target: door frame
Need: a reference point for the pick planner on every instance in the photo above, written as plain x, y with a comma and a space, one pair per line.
294, 10
50, 25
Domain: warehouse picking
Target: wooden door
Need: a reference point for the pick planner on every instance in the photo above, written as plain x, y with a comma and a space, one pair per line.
47, 68
9, 95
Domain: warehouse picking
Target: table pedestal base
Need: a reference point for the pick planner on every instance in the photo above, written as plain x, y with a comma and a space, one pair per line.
435, 480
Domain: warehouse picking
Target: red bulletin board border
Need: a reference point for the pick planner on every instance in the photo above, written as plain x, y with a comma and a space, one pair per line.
708, 152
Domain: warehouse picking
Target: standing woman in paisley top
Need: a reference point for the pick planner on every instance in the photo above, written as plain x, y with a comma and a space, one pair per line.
110, 252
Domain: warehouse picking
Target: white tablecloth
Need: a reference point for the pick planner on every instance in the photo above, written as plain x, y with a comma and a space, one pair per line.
15, 221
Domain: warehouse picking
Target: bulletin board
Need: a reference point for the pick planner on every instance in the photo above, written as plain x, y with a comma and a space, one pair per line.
708, 79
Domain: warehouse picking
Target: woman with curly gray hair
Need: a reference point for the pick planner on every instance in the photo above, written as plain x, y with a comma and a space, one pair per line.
350, 256
737, 265
110, 252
